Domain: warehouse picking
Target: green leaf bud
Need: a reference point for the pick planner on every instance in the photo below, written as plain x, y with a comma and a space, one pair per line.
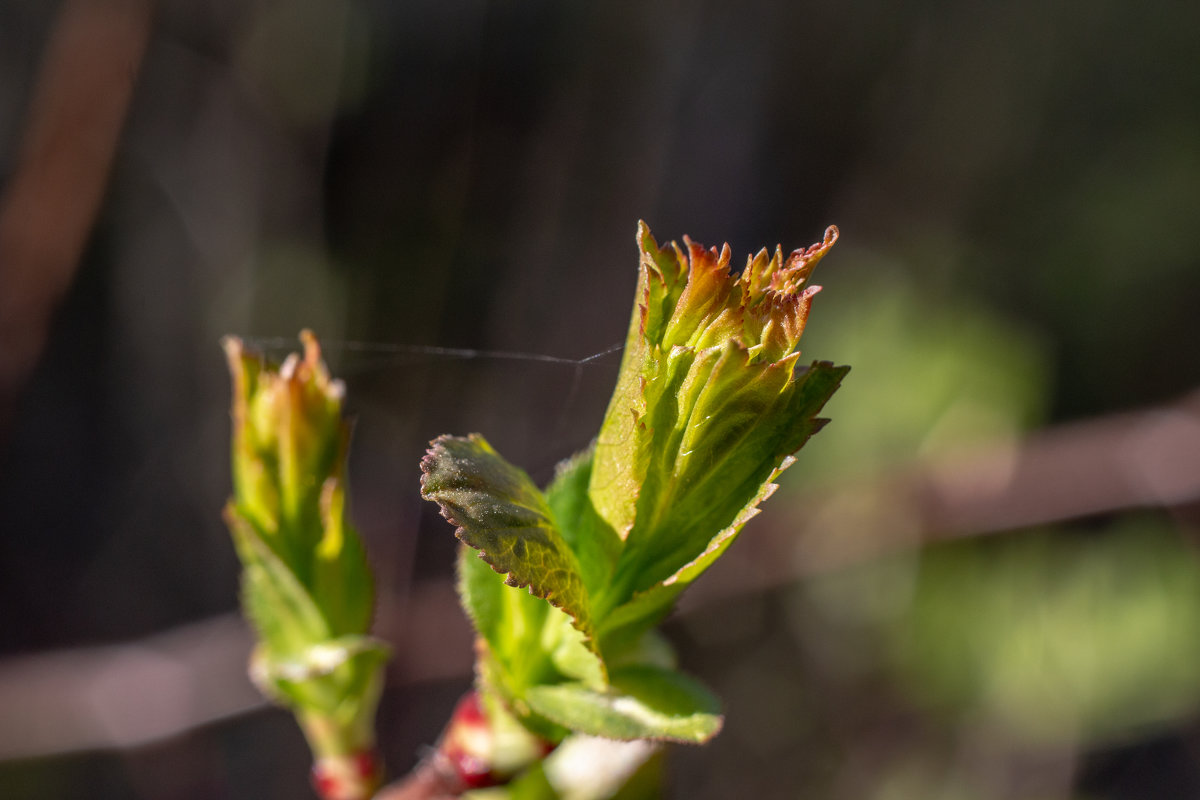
709, 400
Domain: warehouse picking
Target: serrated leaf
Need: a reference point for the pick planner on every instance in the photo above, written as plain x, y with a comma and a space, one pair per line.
517, 625
704, 481
501, 513
523, 632
481, 590
647, 608
643, 702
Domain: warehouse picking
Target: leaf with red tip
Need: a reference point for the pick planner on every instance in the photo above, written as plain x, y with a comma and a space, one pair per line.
709, 402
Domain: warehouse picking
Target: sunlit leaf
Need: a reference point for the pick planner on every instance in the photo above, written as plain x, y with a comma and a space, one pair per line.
500, 513
643, 702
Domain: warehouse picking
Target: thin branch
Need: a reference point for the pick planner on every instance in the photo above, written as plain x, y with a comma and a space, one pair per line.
1144, 459
128, 695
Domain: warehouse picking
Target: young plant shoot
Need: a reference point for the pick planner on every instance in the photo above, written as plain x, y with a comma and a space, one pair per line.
306, 584
566, 586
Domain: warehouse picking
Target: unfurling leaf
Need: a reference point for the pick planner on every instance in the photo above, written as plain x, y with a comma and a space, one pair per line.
500, 513
709, 403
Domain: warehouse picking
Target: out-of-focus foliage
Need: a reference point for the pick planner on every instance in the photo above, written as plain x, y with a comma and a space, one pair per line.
1058, 638
999, 655
957, 375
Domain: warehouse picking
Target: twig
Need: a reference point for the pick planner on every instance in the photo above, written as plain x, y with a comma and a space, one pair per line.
1144, 459
129, 695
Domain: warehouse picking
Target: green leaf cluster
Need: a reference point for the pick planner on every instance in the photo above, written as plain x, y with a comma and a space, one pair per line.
709, 407
306, 584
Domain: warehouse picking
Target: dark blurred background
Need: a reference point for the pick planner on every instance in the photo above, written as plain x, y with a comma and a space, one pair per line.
439, 187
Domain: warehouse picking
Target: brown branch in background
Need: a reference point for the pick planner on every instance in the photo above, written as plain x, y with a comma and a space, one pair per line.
50, 204
132, 694
1144, 459
68, 701
126, 695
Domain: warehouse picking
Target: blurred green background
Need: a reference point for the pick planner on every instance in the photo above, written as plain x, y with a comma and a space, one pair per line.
1017, 187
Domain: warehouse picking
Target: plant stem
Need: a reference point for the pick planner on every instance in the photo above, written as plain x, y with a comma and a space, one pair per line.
342, 770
